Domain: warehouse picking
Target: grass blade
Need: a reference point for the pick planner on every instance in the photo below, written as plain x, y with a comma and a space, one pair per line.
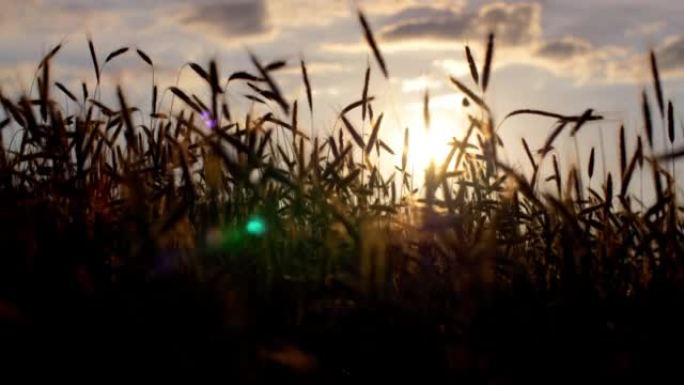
583, 119
364, 94
128, 123
384, 145
676, 154
356, 104
214, 80
66, 91
276, 65
627, 175
144, 56
623, 151
199, 71
368, 34
670, 122
549, 141
271, 84
529, 154
374, 134
242, 75
115, 53
657, 85
91, 47
181, 95
50, 55
307, 85
557, 176
426, 109
488, 62
470, 94
648, 123
473, 67
352, 131
404, 154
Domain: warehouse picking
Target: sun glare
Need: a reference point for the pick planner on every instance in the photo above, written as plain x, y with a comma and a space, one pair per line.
431, 144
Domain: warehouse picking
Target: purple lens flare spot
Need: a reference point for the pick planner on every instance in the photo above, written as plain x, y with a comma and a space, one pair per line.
208, 120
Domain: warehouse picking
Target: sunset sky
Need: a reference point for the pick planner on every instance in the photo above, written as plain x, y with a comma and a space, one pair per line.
556, 55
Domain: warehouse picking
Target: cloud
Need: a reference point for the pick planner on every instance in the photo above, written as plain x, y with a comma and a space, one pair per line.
315, 68
636, 66
646, 29
236, 18
420, 84
566, 48
322, 12
391, 6
671, 55
452, 67
520, 39
576, 57
514, 24
38, 18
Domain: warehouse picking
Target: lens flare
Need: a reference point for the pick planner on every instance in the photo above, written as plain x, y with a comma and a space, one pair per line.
208, 120
256, 226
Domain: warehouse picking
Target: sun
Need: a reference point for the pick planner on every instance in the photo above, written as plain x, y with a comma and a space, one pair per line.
431, 145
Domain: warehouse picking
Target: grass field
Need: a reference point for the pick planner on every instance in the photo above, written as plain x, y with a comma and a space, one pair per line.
189, 241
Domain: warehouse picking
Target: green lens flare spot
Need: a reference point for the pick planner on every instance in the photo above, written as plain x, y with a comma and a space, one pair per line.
256, 226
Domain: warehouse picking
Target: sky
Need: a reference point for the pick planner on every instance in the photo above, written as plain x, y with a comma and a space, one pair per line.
557, 55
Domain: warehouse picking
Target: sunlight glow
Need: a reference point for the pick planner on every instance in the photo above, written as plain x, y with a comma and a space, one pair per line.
428, 145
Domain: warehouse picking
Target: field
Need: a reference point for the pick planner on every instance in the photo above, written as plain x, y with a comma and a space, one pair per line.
189, 241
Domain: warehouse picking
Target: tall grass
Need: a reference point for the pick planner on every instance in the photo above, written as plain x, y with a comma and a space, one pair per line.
106, 201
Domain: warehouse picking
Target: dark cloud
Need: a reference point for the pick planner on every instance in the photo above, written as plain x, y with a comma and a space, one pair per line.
234, 18
612, 22
671, 55
609, 62
564, 49
420, 14
514, 24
